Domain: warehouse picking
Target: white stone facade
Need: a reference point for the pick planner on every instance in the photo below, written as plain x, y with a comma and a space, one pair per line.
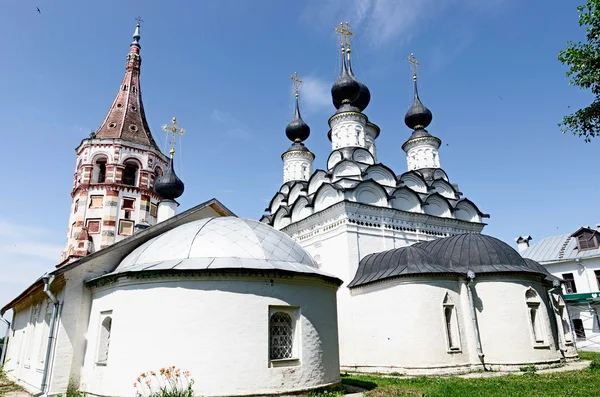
348, 129
221, 323
297, 165
112, 191
422, 153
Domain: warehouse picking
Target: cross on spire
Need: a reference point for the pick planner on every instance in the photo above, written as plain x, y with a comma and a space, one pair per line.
173, 129
345, 34
297, 81
139, 20
413, 65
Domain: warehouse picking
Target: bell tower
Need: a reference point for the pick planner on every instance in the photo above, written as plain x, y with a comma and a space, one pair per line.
113, 186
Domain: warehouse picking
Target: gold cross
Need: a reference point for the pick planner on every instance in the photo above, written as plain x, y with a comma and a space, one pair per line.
345, 34
413, 65
173, 129
297, 81
139, 20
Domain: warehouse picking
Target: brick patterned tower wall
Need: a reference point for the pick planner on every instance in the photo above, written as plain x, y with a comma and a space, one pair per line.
116, 168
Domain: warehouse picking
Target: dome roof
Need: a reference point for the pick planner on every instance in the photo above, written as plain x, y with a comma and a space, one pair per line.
399, 262
477, 252
220, 243
297, 130
364, 95
418, 116
168, 185
346, 89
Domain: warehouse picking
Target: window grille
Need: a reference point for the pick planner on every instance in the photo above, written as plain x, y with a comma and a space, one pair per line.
281, 336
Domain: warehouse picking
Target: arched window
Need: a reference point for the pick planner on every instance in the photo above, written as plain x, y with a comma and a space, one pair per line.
104, 339
130, 173
281, 335
451, 324
535, 316
99, 175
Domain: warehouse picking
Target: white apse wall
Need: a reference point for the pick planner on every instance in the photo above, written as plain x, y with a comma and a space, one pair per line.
217, 328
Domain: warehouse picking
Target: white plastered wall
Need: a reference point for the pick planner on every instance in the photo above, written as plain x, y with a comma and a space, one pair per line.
215, 328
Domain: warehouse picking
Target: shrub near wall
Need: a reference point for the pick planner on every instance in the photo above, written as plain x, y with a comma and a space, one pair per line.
168, 382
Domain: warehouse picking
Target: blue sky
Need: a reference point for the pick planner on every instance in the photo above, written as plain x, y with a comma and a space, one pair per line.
489, 73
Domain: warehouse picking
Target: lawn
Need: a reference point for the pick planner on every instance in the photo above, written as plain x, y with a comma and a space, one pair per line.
584, 383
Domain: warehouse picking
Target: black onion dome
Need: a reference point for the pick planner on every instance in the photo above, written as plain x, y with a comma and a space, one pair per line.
400, 262
297, 130
364, 95
168, 185
346, 89
479, 253
418, 116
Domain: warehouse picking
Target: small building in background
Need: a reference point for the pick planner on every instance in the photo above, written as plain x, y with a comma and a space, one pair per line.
575, 258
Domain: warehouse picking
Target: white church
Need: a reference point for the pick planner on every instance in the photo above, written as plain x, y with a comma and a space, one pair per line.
354, 267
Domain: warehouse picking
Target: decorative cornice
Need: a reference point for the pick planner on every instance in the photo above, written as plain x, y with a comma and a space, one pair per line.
298, 153
346, 115
114, 186
415, 141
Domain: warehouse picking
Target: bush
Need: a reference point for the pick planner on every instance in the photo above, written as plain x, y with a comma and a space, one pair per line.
168, 382
595, 365
529, 368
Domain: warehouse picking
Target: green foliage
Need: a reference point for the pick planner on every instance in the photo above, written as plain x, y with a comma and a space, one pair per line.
595, 365
326, 393
583, 60
168, 382
529, 368
583, 383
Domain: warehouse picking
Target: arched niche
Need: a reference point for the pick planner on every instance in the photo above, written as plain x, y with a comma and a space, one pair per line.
406, 200
381, 174
346, 168
414, 182
326, 196
440, 174
295, 192
316, 180
363, 156
371, 193
334, 158
436, 205
276, 202
466, 211
444, 188
281, 219
285, 188
301, 209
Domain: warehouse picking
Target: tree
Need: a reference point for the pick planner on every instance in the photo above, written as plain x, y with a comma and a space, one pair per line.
583, 60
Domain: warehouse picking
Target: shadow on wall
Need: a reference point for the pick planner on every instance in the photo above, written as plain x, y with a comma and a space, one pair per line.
477, 302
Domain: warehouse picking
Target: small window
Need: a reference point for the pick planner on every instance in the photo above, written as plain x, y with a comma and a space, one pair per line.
93, 226
133, 107
579, 330
569, 283
104, 338
96, 201
281, 332
125, 227
451, 324
535, 317
130, 174
119, 105
587, 241
124, 87
153, 209
133, 89
128, 203
99, 173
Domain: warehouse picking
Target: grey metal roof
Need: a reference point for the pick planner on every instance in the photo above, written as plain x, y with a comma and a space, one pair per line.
405, 261
557, 248
479, 253
535, 265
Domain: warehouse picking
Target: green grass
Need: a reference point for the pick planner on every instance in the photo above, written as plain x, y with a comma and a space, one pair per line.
584, 383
